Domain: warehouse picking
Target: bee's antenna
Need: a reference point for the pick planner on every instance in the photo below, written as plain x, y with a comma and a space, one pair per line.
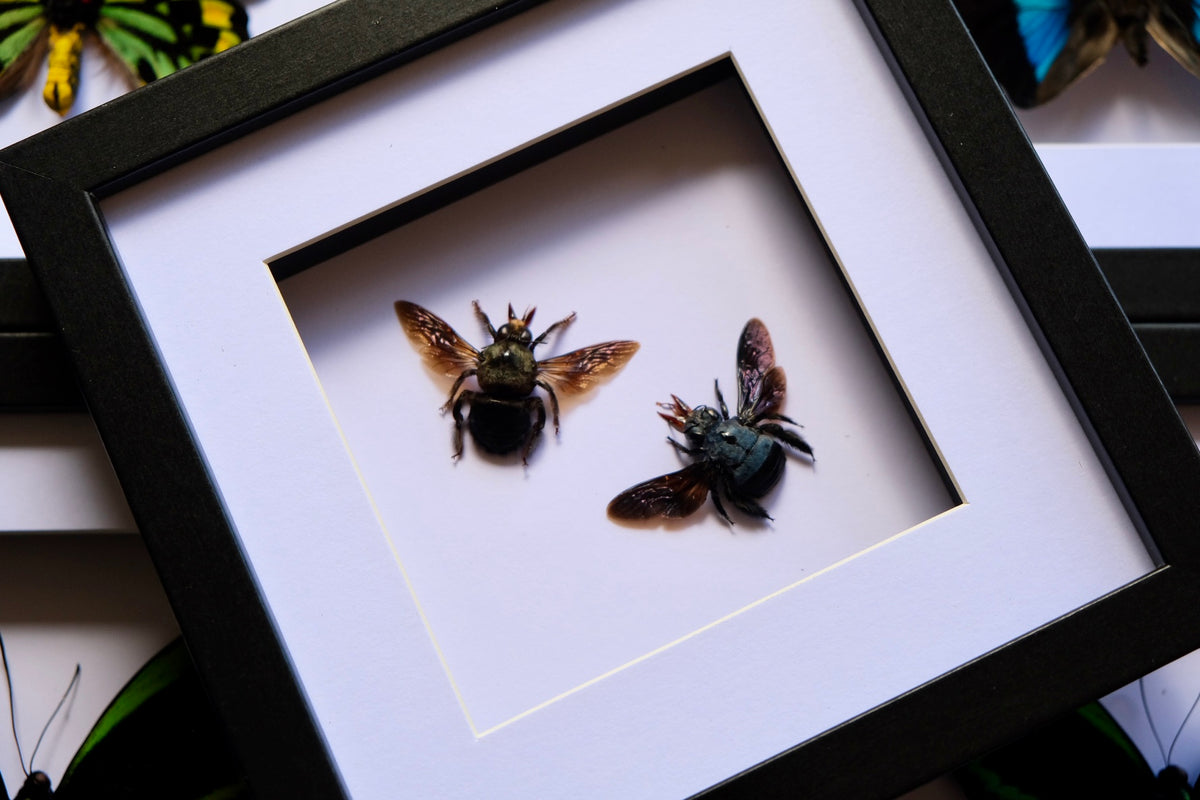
567, 320
487, 323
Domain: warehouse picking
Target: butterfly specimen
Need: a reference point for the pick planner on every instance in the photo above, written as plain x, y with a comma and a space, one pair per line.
157, 739
1083, 754
507, 373
739, 457
151, 38
1036, 48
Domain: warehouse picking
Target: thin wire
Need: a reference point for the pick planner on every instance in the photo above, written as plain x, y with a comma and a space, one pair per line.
74, 682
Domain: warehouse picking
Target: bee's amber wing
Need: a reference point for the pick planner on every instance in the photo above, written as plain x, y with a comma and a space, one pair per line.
672, 496
578, 370
438, 344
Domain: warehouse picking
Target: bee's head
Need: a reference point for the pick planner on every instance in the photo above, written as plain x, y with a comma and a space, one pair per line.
517, 328
699, 421
691, 422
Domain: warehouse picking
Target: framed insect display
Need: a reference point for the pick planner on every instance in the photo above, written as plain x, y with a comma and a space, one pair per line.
981, 523
1107, 90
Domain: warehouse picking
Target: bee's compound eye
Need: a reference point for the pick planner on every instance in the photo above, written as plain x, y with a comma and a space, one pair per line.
504, 330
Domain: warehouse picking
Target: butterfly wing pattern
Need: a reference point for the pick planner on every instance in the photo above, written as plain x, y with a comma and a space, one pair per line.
1037, 48
151, 38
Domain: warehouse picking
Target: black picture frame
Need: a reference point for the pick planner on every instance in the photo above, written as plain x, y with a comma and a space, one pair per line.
37, 371
1159, 289
55, 180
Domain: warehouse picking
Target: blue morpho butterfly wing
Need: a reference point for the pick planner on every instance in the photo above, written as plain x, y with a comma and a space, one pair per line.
1084, 754
1036, 48
159, 738
1044, 27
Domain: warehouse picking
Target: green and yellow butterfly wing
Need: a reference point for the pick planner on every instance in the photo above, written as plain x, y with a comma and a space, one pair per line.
151, 38
158, 738
23, 27
154, 38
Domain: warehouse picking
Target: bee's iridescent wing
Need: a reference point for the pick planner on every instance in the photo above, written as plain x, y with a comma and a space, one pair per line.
762, 386
578, 370
671, 496
440, 347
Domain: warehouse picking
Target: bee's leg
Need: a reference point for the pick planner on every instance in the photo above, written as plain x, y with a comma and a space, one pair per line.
532, 404
716, 497
748, 506
782, 418
691, 452
553, 402
788, 437
458, 382
465, 397
487, 323
721, 400
567, 320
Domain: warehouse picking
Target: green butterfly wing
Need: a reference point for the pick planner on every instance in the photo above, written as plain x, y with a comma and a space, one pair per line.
1083, 754
154, 38
23, 27
151, 38
159, 738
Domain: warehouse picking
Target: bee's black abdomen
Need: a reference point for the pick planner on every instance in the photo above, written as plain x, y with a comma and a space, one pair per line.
498, 426
767, 473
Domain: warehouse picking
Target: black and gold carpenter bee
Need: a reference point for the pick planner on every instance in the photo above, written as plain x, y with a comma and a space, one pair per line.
507, 373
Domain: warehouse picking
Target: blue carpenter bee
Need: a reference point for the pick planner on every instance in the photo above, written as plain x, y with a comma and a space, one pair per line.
507, 373
739, 457
1037, 48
